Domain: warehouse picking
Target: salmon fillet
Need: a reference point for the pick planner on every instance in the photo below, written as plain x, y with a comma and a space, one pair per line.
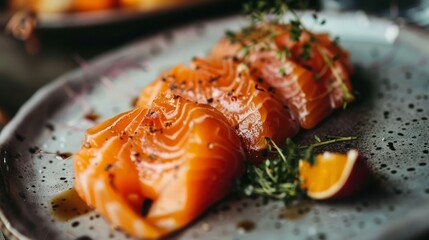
308, 86
151, 171
227, 86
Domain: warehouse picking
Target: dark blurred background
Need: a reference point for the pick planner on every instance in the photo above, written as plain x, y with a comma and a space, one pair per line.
22, 73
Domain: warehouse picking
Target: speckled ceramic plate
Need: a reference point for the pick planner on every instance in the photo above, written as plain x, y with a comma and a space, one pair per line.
390, 118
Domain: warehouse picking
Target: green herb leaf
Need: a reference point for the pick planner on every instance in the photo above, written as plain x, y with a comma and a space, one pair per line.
231, 36
336, 41
295, 30
317, 138
309, 155
282, 71
305, 54
317, 77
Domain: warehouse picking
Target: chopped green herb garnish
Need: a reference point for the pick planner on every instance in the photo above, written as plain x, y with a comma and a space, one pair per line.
284, 53
317, 77
336, 41
231, 36
295, 30
282, 71
277, 176
305, 54
317, 138
262, 12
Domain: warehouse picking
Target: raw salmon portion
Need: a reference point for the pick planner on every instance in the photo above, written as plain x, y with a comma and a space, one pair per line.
294, 86
308, 86
151, 171
316, 62
226, 85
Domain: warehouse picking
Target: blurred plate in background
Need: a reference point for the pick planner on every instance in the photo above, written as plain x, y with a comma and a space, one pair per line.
117, 15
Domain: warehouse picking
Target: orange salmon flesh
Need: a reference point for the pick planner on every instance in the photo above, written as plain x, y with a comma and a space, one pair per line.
151, 171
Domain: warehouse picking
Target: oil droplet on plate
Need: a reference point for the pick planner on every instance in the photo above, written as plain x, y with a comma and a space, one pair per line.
63, 155
206, 227
245, 226
92, 116
68, 205
134, 102
295, 211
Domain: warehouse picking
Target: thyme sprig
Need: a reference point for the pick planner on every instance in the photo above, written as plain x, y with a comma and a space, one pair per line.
347, 95
270, 11
277, 177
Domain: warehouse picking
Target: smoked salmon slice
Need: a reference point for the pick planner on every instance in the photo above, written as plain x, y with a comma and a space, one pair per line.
152, 170
227, 86
308, 85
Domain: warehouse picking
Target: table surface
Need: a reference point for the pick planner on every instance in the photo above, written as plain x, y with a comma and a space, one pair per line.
21, 73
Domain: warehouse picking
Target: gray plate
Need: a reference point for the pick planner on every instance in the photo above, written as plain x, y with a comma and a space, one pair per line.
390, 118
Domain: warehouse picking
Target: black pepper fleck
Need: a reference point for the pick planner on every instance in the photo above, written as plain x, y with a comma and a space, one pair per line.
75, 224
